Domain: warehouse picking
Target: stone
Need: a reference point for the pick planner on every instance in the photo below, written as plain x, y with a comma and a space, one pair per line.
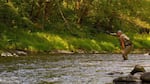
128, 83
137, 68
134, 77
6, 54
147, 54
115, 73
145, 77
129, 78
20, 53
15, 53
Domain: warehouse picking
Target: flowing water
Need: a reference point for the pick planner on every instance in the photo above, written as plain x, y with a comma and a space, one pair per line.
68, 69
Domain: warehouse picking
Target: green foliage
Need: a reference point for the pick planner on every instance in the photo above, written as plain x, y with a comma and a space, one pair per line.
107, 42
8, 14
85, 44
142, 41
107, 46
43, 25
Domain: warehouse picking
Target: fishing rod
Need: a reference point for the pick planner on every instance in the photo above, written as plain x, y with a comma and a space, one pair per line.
111, 33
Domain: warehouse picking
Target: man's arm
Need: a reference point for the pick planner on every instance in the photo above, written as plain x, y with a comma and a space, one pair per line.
122, 43
113, 34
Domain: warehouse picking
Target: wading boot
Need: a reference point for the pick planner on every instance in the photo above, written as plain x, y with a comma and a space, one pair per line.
125, 57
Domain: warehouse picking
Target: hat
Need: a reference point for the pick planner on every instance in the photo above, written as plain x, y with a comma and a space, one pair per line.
119, 31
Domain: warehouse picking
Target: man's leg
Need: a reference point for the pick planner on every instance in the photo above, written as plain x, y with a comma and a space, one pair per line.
126, 51
125, 57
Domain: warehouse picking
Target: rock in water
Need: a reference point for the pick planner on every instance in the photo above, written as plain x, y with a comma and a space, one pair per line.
129, 78
146, 77
134, 77
114, 73
137, 68
147, 54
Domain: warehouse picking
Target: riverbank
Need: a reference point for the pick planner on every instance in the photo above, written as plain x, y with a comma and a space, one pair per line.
17, 53
50, 42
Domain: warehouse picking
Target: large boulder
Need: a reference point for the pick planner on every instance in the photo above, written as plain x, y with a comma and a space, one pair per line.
128, 83
145, 77
129, 78
133, 78
137, 68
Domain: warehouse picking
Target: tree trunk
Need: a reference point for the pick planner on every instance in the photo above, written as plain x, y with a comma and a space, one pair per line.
8, 1
81, 10
61, 13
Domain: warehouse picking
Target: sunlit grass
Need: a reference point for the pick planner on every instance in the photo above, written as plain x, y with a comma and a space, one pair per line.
142, 41
107, 46
84, 44
148, 38
136, 21
54, 40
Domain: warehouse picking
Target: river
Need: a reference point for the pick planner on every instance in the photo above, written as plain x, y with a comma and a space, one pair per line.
68, 69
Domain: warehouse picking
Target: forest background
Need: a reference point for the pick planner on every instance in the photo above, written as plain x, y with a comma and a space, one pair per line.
73, 25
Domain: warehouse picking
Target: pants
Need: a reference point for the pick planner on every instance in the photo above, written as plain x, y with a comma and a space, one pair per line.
126, 51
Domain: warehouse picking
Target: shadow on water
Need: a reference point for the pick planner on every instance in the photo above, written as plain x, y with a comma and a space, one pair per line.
68, 69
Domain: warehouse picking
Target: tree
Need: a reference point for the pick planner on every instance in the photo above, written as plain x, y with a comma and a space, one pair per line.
82, 9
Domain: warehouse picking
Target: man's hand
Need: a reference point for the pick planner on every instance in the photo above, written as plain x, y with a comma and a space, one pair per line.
122, 51
113, 34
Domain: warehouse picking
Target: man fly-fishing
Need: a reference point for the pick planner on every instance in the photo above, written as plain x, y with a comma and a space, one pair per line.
125, 43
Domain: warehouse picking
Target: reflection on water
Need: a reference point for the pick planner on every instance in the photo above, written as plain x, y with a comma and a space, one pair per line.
68, 69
